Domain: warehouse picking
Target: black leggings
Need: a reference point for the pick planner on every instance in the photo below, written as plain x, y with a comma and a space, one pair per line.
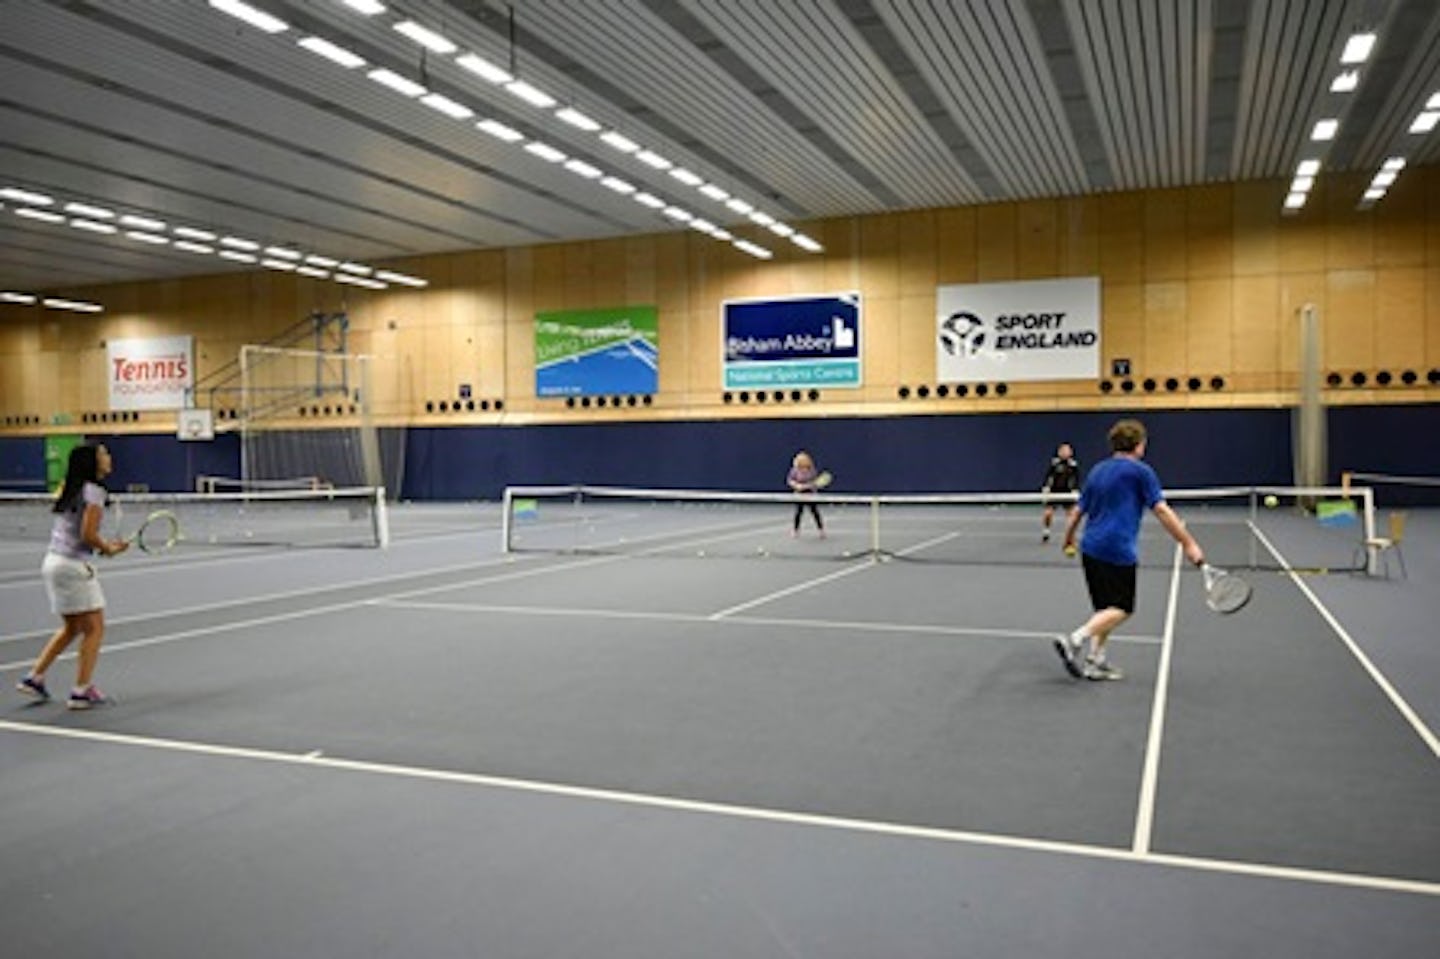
800, 509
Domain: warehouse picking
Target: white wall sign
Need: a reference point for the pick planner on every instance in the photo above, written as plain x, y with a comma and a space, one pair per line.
1032, 330
150, 374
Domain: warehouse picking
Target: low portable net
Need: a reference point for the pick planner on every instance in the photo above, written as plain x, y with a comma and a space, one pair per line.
293, 518
1239, 527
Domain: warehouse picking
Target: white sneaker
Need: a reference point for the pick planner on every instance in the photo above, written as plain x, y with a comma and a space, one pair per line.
1099, 669
1069, 649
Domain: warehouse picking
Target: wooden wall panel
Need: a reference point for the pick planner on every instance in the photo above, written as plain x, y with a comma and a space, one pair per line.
1037, 254
1166, 249
1209, 328
1079, 239
1297, 290
995, 239
1122, 240
1257, 341
1166, 309
1399, 317
955, 238
1209, 231
1350, 323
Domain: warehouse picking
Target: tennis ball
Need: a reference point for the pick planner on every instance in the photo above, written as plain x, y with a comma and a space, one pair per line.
1272, 501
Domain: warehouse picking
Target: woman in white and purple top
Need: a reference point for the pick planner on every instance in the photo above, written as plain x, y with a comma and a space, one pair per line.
71, 581
802, 480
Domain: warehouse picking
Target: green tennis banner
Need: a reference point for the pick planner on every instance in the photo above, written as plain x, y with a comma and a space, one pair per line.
1338, 512
597, 352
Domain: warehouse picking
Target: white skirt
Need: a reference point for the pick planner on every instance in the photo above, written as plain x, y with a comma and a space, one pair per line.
73, 585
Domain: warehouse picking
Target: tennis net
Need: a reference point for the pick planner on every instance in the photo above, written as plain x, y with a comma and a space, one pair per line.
1310, 528
293, 518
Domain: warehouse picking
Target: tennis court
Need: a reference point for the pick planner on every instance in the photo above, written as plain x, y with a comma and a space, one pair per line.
694, 745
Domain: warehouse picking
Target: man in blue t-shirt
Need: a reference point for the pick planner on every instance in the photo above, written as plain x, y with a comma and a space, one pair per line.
1113, 501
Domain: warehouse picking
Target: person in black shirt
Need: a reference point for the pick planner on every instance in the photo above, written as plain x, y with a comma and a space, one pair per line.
1063, 476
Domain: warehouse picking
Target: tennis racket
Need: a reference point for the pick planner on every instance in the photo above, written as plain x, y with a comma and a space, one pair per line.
824, 480
159, 532
1224, 592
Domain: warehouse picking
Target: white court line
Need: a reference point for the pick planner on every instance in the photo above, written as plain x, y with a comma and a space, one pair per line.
315, 760
1149, 779
828, 577
1404, 708
589, 613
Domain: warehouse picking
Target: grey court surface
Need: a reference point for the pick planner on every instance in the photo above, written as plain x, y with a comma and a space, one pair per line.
441, 750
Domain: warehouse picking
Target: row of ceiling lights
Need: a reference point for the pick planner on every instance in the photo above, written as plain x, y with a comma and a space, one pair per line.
150, 231
1357, 50
535, 97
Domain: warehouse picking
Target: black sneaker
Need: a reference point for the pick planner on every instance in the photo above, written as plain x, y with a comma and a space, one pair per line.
34, 688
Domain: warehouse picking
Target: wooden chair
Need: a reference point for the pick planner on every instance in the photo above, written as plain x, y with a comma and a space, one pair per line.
1383, 546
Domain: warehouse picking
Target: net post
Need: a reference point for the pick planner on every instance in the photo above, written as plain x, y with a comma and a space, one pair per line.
875, 527
382, 519
505, 500
1254, 526
1372, 552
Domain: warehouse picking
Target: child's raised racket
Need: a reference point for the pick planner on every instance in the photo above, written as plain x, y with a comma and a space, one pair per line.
159, 532
824, 480
1224, 592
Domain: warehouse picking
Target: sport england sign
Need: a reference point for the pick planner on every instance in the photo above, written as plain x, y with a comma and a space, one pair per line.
153, 374
597, 352
809, 341
1039, 330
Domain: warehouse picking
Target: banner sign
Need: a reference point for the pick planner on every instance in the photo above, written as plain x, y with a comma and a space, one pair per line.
1034, 330
152, 374
597, 352
811, 341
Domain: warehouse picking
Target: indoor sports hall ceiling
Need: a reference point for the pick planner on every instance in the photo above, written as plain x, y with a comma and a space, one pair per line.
158, 116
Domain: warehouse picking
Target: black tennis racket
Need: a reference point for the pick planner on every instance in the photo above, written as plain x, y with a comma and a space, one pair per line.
1224, 592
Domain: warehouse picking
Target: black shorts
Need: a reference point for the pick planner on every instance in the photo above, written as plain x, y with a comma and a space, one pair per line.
1111, 586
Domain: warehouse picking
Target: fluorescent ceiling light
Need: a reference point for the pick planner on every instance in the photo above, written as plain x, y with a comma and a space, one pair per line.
483, 68
396, 82
577, 119
402, 279
1295, 201
1384, 178
369, 284
426, 37
1345, 82
763, 219
26, 298
25, 196
677, 214
368, 7
1357, 48
256, 18
93, 212
805, 243
1374, 193
704, 226
447, 106
725, 235
646, 199
79, 306
332, 52
1433, 103
686, 177
1325, 129
324, 261
44, 216
1393, 163
654, 160
497, 129
152, 238
357, 268
278, 265
312, 271
142, 222
530, 94
1308, 168
583, 169
781, 229
739, 205
544, 151
237, 256
1302, 184
619, 141
190, 233
1425, 122
618, 185
239, 243
189, 247
753, 249
714, 192
282, 253
90, 226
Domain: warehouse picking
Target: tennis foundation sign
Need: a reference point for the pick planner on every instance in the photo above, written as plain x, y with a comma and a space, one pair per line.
811, 341
150, 374
1035, 330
